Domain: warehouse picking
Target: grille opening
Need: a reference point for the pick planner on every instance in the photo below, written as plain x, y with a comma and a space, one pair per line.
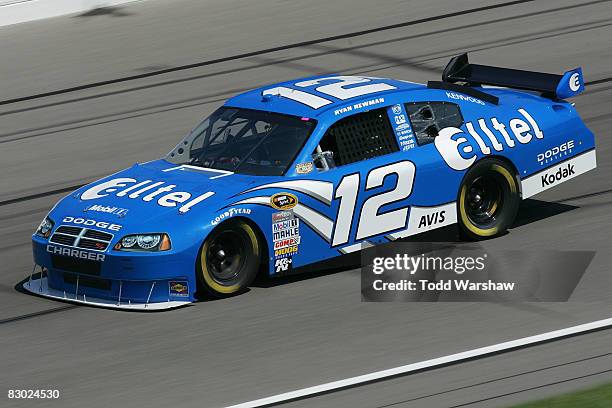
87, 281
62, 239
84, 266
85, 238
91, 244
98, 235
68, 230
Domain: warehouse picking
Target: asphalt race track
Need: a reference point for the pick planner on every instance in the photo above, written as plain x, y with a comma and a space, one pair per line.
299, 333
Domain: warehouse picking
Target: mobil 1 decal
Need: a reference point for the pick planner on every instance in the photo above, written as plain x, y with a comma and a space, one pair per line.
485, 136
401, 127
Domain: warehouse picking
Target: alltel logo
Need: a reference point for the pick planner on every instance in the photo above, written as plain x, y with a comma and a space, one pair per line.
459, 151
574, 82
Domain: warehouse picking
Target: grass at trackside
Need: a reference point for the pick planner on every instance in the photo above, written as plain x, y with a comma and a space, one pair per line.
598, 397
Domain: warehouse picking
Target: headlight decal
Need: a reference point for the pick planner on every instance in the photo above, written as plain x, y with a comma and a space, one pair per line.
45, 228
148, 241
151, 242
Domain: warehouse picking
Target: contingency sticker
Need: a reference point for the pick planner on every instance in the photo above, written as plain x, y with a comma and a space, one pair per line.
179, 288
285, 234
401, 127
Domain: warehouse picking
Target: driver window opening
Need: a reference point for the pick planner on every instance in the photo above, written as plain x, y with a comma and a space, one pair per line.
355, 138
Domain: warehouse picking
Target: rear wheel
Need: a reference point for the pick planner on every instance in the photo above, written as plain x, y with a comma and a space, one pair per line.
488, 200
229, 259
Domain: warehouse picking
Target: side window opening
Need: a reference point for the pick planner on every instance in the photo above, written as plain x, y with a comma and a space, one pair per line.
428, 118
356, 138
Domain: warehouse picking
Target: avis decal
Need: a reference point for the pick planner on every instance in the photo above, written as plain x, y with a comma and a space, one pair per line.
146, 191
92, 223
424, 219
459, 152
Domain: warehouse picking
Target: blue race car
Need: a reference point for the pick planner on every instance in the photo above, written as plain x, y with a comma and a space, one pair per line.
300, 172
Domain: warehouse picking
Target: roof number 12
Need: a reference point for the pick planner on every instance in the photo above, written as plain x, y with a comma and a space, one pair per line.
336, 90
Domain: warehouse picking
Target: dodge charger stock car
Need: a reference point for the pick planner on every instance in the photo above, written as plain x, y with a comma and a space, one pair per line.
303, 171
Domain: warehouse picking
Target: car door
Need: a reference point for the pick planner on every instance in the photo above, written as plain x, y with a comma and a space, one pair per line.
385, 172
372, 179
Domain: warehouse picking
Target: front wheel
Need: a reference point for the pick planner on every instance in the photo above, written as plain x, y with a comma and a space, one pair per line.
229, 259
488, 200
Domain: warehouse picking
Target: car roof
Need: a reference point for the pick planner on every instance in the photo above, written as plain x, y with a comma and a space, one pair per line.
254, 99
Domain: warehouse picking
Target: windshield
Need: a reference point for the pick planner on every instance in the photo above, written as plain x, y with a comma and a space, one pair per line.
244, 141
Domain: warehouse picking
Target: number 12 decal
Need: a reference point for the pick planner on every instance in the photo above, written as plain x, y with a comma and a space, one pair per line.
371, 221
337, 90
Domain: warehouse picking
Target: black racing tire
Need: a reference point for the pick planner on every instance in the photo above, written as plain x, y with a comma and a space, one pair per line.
488, 200
229, 259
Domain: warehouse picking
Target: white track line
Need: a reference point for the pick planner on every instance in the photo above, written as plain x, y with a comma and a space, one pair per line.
453, 358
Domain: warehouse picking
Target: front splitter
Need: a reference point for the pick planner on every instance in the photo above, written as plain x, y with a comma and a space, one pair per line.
40, 287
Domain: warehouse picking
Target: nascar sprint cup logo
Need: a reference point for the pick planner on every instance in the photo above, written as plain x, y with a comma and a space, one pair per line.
459, 153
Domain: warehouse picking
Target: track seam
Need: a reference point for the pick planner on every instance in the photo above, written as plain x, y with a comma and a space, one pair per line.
531, 388
281, 61
41, 195
582, 360
36, 314
428, 365
264, 51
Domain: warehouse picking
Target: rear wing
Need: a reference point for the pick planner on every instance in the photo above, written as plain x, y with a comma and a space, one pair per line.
551, 85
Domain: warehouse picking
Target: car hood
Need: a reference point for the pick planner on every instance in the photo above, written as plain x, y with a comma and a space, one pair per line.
156, 193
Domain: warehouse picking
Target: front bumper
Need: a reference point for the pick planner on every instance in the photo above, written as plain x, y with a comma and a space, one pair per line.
123, 280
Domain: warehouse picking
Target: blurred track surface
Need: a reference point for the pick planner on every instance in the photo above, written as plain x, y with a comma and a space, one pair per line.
304, 332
